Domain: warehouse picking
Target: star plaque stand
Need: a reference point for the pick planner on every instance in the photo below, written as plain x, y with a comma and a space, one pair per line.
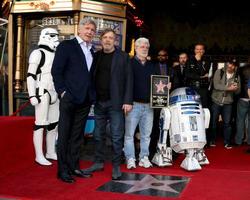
159, 92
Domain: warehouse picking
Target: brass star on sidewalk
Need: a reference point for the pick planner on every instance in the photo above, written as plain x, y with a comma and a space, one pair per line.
149, 182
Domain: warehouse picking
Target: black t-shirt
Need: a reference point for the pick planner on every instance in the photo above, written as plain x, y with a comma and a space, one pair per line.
103, 75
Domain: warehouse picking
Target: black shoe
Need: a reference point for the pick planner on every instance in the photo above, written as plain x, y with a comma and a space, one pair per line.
116, 173
95, 167
81, 174
65, 178
212, 144
248, 151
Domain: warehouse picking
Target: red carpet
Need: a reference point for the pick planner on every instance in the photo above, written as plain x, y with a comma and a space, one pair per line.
16, 144
226, 178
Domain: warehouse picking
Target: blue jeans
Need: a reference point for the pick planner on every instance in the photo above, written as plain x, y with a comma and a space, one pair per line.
226, 112
143, 115
103, 112
243, 110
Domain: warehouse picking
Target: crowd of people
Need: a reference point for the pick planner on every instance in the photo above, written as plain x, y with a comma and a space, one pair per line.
119, 87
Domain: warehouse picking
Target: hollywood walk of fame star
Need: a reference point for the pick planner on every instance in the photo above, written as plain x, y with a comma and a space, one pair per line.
160, 87
150, 182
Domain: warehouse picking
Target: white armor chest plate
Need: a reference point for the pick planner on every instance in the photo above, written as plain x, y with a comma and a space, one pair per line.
44, 79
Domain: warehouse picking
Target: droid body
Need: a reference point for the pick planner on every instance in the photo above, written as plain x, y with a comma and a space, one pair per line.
185, 121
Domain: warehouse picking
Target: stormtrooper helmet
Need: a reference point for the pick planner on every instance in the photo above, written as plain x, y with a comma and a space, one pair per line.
49, 37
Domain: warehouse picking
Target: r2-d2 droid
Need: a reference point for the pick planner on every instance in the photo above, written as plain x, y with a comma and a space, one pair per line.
186, 121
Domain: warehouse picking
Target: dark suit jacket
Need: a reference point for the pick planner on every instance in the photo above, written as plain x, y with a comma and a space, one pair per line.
167, 70
70, 72
121, 79
179, 79
195, 69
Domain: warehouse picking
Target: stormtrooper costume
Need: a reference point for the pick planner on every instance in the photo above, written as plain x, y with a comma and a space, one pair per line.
43, 96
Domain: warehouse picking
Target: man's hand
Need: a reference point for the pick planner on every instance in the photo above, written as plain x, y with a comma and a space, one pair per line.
34, 101
232, 87
204, 76
169, 85
126, 108
198, 56
62, 94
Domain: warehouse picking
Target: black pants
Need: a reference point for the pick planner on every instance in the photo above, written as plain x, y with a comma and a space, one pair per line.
204, 94
71, 125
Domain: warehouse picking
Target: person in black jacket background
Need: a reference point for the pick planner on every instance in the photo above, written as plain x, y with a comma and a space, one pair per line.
179, 78
197, 74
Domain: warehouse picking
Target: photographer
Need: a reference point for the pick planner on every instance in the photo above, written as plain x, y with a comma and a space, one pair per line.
226, 84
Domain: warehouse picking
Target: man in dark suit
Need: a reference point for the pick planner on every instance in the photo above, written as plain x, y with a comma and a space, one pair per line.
166, 70
163, 62
72, 76
179, 72
114, 92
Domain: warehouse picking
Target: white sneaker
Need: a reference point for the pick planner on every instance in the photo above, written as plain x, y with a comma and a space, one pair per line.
131, 163
144, 162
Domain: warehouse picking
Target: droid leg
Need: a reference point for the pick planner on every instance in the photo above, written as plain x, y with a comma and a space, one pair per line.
200, 153
201, 157
207, 117
38, 144
163, 156
51, 141
190, 163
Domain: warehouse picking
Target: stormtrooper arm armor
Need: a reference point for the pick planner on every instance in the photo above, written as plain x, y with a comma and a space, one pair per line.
34, 61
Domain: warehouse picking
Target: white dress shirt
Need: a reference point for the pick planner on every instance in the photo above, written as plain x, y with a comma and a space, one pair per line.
86, 50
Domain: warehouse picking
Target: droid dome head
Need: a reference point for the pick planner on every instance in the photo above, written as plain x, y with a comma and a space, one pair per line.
184, 94
49, 37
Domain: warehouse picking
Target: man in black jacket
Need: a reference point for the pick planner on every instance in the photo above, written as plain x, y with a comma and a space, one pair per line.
72, 76
197, 73
114, 93
179, 79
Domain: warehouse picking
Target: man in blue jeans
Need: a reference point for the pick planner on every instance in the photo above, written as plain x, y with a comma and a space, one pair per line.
114, 86
243, 106
141, 113
225, 86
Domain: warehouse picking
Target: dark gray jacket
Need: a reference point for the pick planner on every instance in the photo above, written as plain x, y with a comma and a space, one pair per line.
220, 95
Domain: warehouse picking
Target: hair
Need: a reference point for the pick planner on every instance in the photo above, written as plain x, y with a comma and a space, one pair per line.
87, 20
164, 50
233, 61
107, 30
199, 44
183, 53
141, 40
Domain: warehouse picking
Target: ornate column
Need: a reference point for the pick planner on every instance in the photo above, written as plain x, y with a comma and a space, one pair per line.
19, 52
76, 22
